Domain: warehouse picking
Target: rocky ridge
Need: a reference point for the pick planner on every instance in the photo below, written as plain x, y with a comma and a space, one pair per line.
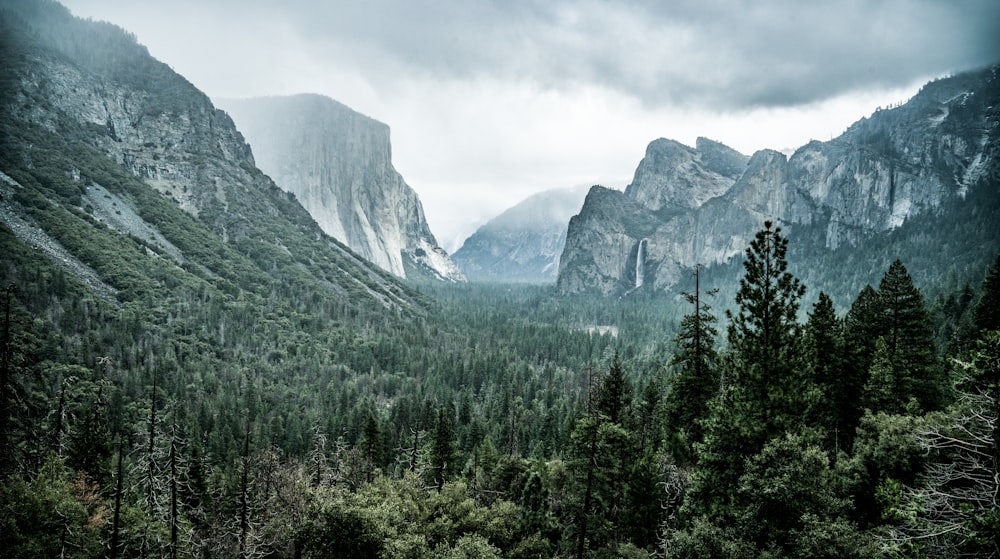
690, 205
524, 243
92, 85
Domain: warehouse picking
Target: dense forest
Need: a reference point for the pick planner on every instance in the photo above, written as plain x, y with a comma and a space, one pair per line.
516, 432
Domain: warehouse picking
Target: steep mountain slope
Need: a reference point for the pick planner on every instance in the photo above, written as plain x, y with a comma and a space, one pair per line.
89, 117
917, 159
523, 243
338, 164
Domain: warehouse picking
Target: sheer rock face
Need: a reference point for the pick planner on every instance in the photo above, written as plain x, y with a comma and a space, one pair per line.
338, 163
673, 175
524, 243
93, 82
708, 201
183, 147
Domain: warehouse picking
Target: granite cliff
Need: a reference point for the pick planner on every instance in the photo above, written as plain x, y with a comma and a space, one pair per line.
338, 164
78, 96
702, 205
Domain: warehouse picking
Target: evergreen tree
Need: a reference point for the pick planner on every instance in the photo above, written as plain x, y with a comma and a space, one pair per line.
372, 446
861, 332
443, 454
987, 313
825, 347
615, 396
695, 380
536, 516
882, 392
766, 392
906, 327
764, 337
861, 329
90, 440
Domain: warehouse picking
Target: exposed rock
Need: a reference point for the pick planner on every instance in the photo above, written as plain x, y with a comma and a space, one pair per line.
338, 164
673, 175
524, 243
93, 85
885, 169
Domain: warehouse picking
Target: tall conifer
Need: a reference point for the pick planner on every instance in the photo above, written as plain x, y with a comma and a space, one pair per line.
906, 327
695, 380
764, 335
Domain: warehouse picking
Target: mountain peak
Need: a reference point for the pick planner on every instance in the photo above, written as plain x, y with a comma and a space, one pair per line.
523, 243
702, 205
673, 175
338, 163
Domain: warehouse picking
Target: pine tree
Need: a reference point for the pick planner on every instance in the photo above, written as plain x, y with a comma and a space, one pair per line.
443, 454
861, 329
764, 336
372, 447
90, 441
883, 390
987, 313
766, 392
695, 380
906, 327
615, 396
825, 347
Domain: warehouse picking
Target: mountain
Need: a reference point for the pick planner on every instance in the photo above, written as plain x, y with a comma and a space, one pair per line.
523, 243
702, 205
338, 164
116, 167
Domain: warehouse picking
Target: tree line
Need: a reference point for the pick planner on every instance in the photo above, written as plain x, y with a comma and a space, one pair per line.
835, 436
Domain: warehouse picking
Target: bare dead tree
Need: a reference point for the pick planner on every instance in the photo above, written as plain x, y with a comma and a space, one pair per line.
317, 457
961, 483
675, 483
116, 520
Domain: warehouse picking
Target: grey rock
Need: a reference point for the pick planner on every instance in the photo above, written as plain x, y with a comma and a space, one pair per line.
338, 164
524, 243
707, 203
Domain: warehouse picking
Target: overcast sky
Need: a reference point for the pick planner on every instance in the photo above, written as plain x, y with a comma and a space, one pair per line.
489, 102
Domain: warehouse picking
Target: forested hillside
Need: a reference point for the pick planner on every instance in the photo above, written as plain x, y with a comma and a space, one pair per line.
189, 367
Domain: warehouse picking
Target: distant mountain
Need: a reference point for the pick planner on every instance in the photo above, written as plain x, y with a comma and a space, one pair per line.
928, 157
523, 243
338, 163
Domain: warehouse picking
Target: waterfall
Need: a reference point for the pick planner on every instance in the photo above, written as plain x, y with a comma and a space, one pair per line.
640, 262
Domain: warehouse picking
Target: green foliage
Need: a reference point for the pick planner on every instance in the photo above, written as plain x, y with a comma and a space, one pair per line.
951, 509
825, 351
695, 379
442, 455
334, 531
52, 515
380, 421
906, 327
987, 311
614, 398
764, 336
788, 493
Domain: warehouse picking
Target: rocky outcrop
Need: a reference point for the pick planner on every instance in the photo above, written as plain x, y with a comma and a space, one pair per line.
338, 164
674, 176
615, 222
707, 202
524, 243
93, 86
